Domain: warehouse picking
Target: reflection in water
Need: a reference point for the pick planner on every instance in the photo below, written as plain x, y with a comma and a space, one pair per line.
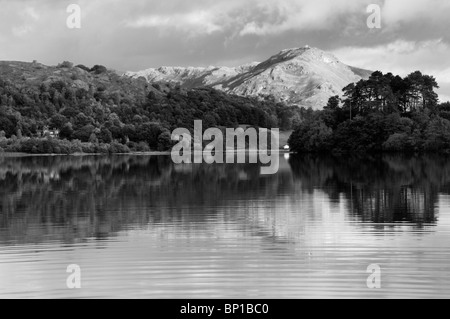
199, 230
79, 197
380, 190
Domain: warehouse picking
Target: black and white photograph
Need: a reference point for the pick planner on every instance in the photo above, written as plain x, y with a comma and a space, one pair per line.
224, 154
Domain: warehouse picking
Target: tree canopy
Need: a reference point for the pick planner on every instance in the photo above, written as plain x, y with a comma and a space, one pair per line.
384, 113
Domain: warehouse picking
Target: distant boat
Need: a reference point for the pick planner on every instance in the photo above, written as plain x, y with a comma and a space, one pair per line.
287, 147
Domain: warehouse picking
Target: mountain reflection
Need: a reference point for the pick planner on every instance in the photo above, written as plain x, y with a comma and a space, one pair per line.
74, 198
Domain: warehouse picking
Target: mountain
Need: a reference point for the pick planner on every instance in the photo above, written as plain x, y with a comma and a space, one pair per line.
301, 76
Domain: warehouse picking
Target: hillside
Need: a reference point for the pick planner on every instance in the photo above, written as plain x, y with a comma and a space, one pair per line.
99, 106
36, 75
305, 77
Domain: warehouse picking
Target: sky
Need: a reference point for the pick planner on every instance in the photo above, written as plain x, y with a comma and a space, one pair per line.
131, 35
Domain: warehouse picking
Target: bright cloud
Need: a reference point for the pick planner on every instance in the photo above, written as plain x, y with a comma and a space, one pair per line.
197, 22
404, 57
298, 15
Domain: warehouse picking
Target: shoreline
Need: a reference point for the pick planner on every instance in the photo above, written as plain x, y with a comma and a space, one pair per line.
155, 153
19, 154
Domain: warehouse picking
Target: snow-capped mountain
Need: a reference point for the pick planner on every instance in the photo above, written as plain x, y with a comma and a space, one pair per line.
301, 76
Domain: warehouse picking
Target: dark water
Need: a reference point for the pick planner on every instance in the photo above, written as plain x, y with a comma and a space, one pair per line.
143, 227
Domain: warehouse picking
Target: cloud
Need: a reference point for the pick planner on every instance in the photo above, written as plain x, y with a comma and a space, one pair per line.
30, 12
27, 19
195, 22
22, 30
415, 11
403, 57
399, 56
301, 15
255, 17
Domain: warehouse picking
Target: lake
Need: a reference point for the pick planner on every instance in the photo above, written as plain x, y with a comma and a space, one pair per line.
143, 227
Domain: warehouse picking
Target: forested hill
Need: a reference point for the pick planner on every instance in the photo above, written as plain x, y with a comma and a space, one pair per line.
385, 113
100, 106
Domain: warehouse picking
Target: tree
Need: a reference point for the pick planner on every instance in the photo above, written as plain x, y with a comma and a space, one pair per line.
361, 135
400, 142
65, 64
99, 69
83, 134
82, 67
437, 135
7, 125
129, 131
421, 91
59, 86
58, 121
400, 88
164, 141
81, 120
66, 132
311, 136
93, 138
430, 98
333, 103
150, 132
105, 135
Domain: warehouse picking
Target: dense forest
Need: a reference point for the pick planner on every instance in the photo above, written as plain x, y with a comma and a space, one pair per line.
385, 113
97, 110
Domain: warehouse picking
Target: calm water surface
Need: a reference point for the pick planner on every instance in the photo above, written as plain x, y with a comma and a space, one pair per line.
142, 227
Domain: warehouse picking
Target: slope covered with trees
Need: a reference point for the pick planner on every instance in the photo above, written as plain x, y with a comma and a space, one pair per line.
385, 113
98, 110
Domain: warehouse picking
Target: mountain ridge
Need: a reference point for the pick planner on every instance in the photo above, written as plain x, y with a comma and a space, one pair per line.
305, 77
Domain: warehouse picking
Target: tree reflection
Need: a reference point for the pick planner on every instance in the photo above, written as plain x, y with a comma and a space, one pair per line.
387, 189
70, 198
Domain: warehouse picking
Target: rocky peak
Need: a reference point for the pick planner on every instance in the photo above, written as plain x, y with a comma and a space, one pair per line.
303, 76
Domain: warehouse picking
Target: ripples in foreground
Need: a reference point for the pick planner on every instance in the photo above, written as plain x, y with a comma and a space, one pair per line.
142, 227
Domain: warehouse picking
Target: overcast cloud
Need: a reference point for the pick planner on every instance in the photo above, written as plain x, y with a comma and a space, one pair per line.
138, 34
